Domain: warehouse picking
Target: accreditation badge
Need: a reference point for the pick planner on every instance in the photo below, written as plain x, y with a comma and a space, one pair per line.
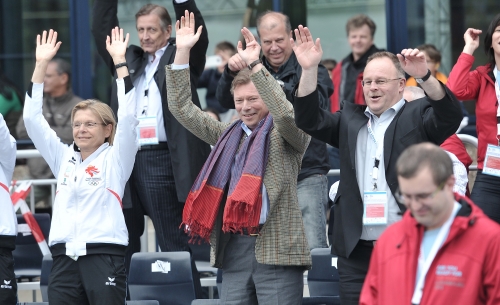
492, 161
375, 208
147, 130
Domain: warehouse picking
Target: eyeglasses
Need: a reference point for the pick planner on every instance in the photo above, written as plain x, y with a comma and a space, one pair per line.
422, 197
378, 82
89, 125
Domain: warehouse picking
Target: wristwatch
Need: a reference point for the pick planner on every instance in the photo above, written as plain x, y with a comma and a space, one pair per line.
254, 63
425, 78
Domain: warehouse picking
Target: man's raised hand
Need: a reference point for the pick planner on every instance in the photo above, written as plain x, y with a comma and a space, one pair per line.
307, 51
252, 50
46, 46
413, 62
185, 35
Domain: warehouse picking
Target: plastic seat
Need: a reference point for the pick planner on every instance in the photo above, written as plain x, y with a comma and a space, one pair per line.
330, 300
163, 276
44, 277
27, 255
323, 278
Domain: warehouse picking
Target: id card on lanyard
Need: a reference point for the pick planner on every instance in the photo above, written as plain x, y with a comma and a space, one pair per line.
147, 130
375, 203
492, 158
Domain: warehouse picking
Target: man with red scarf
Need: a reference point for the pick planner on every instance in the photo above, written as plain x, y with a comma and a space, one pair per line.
245, 198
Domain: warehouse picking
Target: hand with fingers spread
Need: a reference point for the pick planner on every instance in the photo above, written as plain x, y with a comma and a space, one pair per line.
252, 50
307, 51
117, 45
46, 46
413, 62
471, 38
185, 35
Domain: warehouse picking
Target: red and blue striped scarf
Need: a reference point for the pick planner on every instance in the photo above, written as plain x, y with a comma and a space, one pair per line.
244, 168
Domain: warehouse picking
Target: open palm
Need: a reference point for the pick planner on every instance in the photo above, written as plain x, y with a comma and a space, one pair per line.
308, 52
185, 35
46, 46
116, 44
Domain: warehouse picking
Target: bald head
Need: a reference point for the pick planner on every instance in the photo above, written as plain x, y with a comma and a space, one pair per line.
274, 31
412, 93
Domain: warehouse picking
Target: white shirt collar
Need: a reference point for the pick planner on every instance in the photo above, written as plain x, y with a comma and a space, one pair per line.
158, 53
396, 108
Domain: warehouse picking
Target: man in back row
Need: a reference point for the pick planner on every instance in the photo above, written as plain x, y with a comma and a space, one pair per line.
444, 251
370, 139
275, 31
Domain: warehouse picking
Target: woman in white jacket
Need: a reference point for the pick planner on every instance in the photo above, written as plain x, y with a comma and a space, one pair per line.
88, 235
8, 220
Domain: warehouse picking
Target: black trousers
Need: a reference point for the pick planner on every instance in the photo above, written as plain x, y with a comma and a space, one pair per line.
8, 284
486, 193
153, 193
96, 279
352, 272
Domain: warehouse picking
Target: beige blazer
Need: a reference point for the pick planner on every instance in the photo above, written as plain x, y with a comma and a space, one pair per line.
282, 240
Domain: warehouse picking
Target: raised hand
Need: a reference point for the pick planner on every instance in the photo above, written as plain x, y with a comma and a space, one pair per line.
252, 50
471, 38
185, 36
308, 52
46, 46
235, 63
413, 62
117, 45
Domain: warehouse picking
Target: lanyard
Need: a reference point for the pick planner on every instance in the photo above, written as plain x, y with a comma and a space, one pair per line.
497, 91
378, 154
424, 266
148, 77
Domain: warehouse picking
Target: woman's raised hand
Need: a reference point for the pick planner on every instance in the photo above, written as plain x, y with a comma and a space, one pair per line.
117, 45
46, 46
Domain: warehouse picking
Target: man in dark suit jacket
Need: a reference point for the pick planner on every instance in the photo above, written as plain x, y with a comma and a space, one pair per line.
164, 172
370, 139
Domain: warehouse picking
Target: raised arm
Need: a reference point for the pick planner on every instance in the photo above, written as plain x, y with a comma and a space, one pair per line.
199, 50
413, 62
464, 83
308, 53
178, 86
39, 131
125, 143
104, 19
7, 150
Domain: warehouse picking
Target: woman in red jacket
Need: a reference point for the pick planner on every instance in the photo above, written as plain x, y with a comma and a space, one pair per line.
481, 85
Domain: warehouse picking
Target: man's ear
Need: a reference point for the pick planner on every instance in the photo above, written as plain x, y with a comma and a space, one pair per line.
168, 32
64, 78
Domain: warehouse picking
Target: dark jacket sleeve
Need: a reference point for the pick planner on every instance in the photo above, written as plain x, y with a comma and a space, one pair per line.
325, 87
223, 93
443, 119
312, 119
104, 18
197, 55
205, 78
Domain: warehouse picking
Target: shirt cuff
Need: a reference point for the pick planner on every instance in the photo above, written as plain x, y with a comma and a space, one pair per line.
180, 1
179, 67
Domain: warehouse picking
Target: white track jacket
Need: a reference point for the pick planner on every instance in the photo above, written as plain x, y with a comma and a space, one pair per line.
8, 220
87, 215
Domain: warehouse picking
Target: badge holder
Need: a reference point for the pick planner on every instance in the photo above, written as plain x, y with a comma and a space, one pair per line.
147, 131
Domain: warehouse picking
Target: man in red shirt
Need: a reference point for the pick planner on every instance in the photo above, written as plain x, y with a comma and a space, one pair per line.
444, 250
